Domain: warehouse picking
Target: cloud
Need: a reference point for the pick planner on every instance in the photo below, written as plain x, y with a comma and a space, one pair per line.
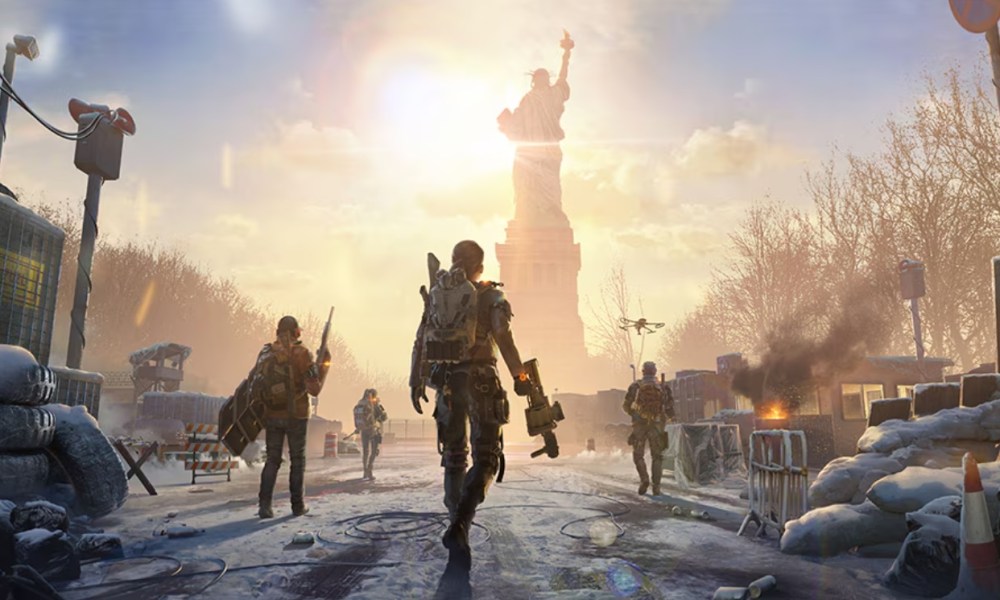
236, 224
751, 88
305, 146
744, 149
296, 88
673, 243
249, 16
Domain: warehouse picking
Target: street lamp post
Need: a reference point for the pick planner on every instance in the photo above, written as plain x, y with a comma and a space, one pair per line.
25, 46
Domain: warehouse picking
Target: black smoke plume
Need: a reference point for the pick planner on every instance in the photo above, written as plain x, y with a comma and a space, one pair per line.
794, 363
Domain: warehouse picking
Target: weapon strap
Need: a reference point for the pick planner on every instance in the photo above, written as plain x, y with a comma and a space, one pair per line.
503, 461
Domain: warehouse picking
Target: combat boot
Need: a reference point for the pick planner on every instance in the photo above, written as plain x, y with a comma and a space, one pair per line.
299, 509
643, 486
456, 540
656, 489
265, 512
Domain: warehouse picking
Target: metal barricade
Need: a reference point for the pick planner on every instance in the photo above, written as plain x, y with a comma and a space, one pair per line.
778, 480
204, 440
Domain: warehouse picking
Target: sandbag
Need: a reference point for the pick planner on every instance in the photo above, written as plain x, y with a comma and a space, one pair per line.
841, 479
99, 545
51, 553
928, 563
834, 529
912, 488
39, 514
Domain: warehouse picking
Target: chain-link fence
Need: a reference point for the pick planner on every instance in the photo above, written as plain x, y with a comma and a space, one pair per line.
410, 429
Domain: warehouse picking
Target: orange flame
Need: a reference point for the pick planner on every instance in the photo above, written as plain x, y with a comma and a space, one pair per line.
775, 411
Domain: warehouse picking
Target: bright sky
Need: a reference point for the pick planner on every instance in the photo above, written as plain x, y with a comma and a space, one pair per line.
315, 151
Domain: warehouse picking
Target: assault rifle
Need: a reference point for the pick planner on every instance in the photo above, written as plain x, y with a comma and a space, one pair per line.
323, 347
540, 415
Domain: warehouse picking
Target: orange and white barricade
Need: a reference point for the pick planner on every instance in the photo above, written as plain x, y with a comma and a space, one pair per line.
205, 455
330, 446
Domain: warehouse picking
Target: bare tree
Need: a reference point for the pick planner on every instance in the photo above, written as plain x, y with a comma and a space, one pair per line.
931, 194
772, 275
615, 304
695, 341
143, 294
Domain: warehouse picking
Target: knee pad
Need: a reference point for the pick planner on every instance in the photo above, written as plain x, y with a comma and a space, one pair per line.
455, 459
488, 455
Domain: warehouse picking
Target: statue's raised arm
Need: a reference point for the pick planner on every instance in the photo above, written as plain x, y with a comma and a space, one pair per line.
567, 44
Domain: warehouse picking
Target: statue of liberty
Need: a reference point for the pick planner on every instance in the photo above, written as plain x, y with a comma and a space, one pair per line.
534, 128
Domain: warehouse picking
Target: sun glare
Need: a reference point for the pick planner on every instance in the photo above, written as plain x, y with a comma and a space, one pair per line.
441, 126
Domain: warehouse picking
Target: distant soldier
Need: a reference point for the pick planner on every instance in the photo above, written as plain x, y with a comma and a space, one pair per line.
284, 377
369, 414
464, 320
650, 405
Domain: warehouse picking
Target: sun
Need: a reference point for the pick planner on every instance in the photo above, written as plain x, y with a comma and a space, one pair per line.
439, 125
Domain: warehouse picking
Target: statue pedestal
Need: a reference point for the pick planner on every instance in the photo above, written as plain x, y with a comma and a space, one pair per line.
539, 265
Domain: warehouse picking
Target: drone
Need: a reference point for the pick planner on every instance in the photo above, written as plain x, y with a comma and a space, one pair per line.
641, 326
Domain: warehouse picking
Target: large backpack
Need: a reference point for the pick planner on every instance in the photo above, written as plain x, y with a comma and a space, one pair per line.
270, 381
362, 419
452, 312
650, 399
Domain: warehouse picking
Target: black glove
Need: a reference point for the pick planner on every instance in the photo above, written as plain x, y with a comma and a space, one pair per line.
416, 394
522, 387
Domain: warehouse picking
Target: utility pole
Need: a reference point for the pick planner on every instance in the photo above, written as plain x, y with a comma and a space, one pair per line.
25, 46
911, 283
996, 305
99, 155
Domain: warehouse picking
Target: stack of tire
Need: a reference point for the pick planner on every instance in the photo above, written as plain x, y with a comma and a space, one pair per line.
42, 443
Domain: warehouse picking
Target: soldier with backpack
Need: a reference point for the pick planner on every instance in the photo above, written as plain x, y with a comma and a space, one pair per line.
283, 378
650, 404
454, 354
369, 414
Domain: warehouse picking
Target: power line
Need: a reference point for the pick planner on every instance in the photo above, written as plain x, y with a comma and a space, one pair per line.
7, 88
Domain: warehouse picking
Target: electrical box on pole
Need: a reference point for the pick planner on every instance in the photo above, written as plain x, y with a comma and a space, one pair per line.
911, 283
100, 153
911, 279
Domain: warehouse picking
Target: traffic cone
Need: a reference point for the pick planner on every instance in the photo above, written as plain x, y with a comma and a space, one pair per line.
979, 576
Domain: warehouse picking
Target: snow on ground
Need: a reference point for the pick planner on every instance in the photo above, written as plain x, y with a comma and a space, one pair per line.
518, 551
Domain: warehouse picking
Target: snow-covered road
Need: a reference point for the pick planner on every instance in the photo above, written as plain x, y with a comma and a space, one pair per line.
568, 528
